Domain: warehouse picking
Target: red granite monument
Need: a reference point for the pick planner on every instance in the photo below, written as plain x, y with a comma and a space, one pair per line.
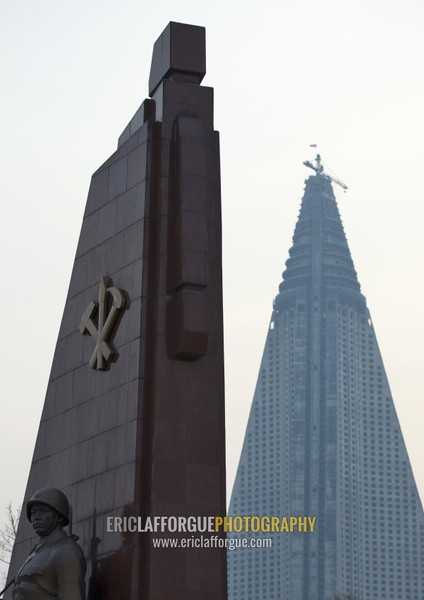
133, 421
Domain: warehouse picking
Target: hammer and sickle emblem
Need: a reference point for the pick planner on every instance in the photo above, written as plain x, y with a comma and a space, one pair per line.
103, 352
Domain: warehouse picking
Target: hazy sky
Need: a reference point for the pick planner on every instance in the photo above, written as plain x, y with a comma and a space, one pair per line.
346, 75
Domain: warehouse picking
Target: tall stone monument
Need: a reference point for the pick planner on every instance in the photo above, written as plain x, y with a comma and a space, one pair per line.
133, 421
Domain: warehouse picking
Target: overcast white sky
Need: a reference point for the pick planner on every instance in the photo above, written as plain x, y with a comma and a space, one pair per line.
346, 75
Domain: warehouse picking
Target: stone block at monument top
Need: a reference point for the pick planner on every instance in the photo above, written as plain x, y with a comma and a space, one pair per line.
173, 53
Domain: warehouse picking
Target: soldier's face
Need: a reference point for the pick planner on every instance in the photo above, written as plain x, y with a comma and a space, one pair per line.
43, 518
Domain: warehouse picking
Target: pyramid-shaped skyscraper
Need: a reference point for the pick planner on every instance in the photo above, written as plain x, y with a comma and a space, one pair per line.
323, 438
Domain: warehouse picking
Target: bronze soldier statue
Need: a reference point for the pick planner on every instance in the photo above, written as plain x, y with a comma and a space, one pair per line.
55, 569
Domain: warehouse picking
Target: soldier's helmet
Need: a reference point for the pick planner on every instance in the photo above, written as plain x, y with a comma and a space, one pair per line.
53, 498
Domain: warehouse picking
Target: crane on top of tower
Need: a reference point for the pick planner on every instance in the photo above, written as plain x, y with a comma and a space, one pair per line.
319, 170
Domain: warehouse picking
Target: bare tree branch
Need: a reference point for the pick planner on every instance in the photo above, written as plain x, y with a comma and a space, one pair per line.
8, 533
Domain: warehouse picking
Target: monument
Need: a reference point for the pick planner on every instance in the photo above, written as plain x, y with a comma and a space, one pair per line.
133, 420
